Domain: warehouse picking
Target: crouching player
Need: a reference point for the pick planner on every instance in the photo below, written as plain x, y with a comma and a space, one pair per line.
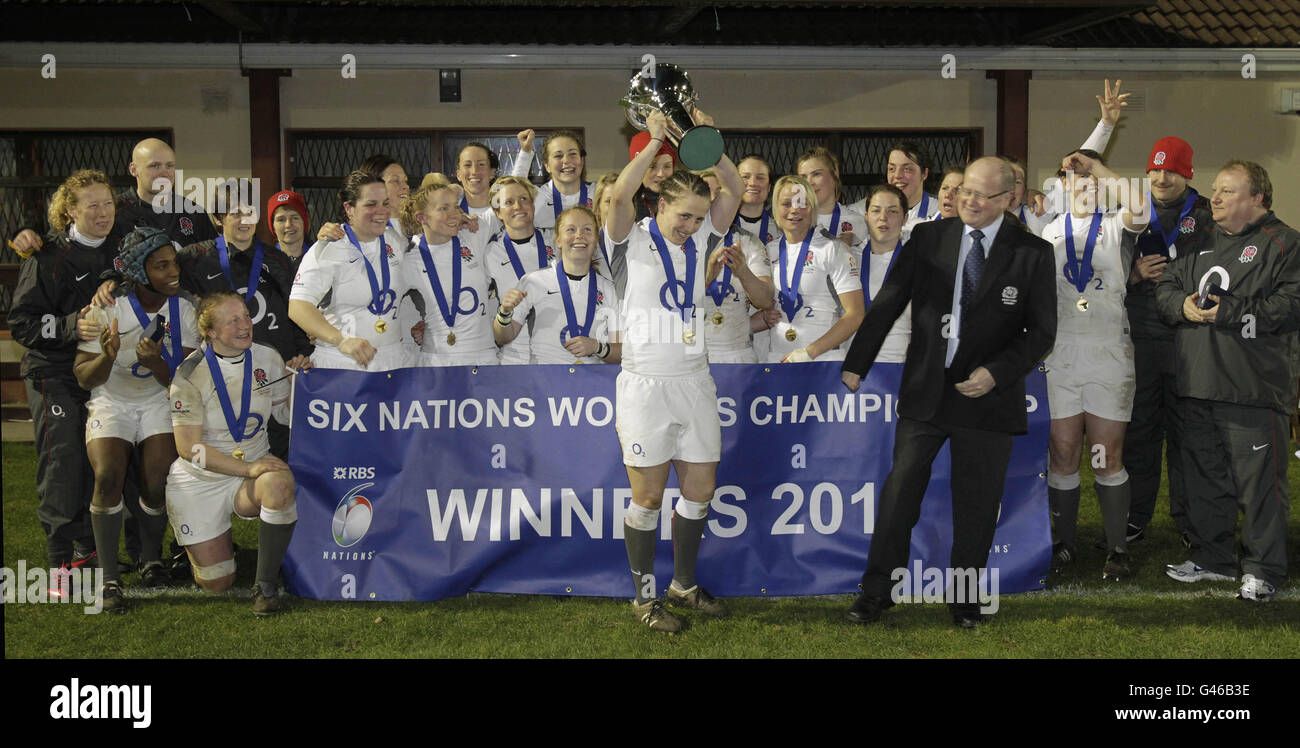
221, 398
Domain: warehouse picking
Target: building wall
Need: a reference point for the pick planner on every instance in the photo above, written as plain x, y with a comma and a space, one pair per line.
1221, 116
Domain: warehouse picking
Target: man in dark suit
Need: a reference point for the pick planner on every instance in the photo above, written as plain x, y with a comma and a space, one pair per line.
983, 301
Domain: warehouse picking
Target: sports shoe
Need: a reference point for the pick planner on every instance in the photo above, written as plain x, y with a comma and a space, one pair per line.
1255, 589
111, 598
657, 617
89, 559
866, 609
265, 605
1188, 571
1116, 566
696, 598
154, 575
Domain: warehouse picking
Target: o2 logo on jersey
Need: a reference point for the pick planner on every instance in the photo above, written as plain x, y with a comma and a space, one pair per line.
352, 517
138, 371
257, 425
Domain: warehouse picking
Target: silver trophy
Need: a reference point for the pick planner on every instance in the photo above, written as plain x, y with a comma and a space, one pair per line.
670, 92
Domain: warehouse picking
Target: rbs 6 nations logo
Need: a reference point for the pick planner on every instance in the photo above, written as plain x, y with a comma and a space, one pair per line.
352, 517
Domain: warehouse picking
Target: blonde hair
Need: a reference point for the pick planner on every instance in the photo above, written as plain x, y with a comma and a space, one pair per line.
65, 198
830, 159
791, 180
416, 201
500, 185
208, 309
605, 182
568, 215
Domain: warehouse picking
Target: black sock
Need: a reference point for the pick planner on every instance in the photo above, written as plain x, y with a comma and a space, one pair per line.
272, 543
641, 560
1064, 503
1114, 502
108, 530
686, 549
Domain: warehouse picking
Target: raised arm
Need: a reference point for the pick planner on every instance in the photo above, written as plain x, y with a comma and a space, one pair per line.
623, 212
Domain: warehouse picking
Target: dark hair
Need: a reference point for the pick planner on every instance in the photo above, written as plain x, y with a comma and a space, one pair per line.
891, 189
681, 184
377, 163
350, 192
227, 198
915, 152
492, 157
1060, 173
1260, 184
756, 157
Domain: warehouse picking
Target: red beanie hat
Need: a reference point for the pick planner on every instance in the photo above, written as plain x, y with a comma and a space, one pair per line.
1171, 154
641, 140
289, 199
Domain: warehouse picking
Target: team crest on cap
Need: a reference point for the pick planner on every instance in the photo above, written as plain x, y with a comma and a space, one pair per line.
1009, 295
283, 198
187, 225
1248, 254
1159, 159
1187, 226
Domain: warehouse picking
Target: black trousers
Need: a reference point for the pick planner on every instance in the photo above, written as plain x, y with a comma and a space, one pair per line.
979, 470
1236, 458
1157, 423
64, 480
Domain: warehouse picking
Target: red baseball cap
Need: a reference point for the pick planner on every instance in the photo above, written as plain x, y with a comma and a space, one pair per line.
289, 199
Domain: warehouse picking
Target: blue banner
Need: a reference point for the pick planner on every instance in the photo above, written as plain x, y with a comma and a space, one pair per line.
426, 483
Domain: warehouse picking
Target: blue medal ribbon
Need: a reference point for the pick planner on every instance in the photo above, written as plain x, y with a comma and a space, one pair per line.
791, 301
464, 203
687, 304
835, 221
866, 271
925, 206
174, 356
1022, 214
448, 311
235, 424
573, 329
1171, 236
1079, 271
605, 253
559, 201
719, 290
254, 274
513, 254
383, 298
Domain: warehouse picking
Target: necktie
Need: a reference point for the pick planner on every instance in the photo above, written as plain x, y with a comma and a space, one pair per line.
971, 272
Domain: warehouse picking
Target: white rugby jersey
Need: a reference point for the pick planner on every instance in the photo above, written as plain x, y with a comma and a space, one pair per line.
754, 227
829, 269
473, 322
194, 402
336, 268
849, 221
731, 332
549, 318
916, 215
544, 204
894, 349
130, 382
656, 341
501, 272
1105, 317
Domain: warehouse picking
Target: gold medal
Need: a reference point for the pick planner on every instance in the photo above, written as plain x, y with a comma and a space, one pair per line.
717, 318
238, 454
1081, 304
451, 338
688, 337
380, 325
790, 335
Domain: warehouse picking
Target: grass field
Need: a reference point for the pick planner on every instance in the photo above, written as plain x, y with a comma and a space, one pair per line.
1148, 616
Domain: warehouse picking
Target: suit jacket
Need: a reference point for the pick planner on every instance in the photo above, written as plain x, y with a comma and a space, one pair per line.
1011, 325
